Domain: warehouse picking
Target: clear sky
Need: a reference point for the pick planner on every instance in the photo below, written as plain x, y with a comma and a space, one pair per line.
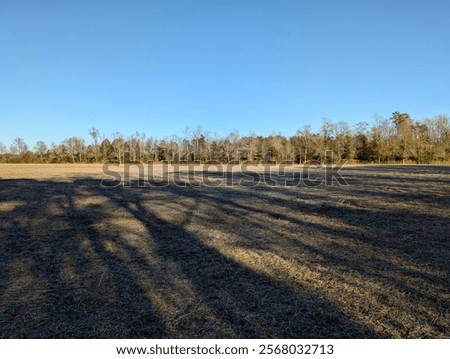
159, 66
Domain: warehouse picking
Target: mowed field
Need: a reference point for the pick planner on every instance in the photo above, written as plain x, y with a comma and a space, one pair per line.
370, 259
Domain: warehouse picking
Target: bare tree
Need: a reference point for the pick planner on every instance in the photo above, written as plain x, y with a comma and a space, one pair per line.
75, 147
249, 147
2, 148
196, 137
69, 146
118, 146
57, 152
95, 134
307, 143
106, 149
344, 146
40, 149
277, 147
439, 130
325, 144
19, 147
151, 145
404, 127
230, 146
382, 140
140, 137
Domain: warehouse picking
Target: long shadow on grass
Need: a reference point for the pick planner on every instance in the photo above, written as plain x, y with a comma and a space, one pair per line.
52, 263
383, 226
243, 303
68, 270
398, 249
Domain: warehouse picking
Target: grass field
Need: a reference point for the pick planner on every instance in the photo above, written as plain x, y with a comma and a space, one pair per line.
367, 260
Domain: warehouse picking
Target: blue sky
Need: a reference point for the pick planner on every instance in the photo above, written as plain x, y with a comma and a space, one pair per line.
252, 65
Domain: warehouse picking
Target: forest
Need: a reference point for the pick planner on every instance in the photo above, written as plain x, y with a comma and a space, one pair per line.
399, 139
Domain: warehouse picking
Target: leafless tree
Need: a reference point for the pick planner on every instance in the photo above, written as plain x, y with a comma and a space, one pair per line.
2, 148
95, 134
118, 146
40, 149
19, 147
75, 147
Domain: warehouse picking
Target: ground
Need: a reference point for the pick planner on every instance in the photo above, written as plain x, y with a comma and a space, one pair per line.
367, 257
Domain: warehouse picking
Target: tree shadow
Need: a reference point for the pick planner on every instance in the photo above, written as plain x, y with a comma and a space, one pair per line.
78, 260
396, 246
82, 261
52, 263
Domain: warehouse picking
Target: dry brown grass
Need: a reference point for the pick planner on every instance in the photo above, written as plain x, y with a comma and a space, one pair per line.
370, 259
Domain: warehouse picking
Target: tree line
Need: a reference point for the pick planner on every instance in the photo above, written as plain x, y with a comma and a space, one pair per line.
399, 139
